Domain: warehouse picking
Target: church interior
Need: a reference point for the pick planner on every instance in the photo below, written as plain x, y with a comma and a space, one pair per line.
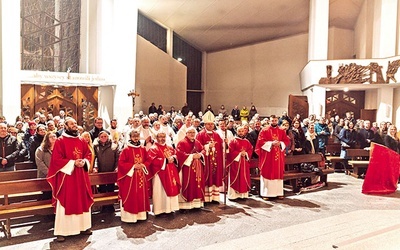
114, 58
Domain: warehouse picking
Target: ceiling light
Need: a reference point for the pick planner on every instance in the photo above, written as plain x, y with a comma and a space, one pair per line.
346, 89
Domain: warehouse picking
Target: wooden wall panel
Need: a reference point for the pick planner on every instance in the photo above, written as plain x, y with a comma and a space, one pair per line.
81, 102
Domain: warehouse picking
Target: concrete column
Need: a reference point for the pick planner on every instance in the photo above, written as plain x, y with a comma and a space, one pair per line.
318, 30
170, 42
398, 29
10, 59
111, 52
396, 105
385, 105
384, 28
316, 98
123, 49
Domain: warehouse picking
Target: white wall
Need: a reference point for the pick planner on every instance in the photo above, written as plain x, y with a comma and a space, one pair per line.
263, 74
396, 109
371, 99
341, 43
159, 78
10, 59
363, 31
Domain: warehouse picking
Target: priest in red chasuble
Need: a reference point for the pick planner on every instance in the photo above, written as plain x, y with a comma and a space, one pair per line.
133, 181
270, 148
213, 171
191, 162
164, 175
240, 150
69, 180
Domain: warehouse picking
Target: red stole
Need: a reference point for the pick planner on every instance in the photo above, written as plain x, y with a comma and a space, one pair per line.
133, 191
169, 176
72, 191
192, 176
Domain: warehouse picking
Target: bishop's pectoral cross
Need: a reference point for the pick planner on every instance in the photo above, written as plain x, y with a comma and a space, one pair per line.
133, 94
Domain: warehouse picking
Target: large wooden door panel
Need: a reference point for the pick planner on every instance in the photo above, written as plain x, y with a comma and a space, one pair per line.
298, 105
339, 102
27, 100
81, 102
87, 106
51, 99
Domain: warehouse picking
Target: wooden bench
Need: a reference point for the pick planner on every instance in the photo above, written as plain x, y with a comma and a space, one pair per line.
292, 175
359, 161
18, 175
24, 165
333, 155
29, 189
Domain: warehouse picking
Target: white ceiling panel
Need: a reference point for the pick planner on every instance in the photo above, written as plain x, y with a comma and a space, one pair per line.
212, 25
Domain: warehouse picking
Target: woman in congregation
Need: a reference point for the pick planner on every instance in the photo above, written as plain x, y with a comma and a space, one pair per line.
289, 147
86, 136
391, 140
311, 144
299, 138
43, 154
348, 138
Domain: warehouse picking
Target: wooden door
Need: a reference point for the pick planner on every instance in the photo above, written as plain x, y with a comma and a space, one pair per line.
81, 102
368, 114
340, 102
87, 106
53, 99
298, 105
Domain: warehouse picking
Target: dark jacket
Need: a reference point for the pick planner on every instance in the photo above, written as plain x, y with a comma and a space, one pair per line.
392, 143
299, 141
106, 156
349, 137
27, 137
236, 114
9, 150
253, 137
365, 137
34, 143
94, 132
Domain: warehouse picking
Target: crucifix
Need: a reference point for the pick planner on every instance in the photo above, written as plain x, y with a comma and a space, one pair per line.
133, 94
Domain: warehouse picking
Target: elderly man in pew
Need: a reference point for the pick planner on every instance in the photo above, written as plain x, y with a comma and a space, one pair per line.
10, 149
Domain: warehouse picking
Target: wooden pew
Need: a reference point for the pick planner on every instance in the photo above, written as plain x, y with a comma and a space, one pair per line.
333, 155
293, 175
18, 175
24, 165
359, 161
28, 190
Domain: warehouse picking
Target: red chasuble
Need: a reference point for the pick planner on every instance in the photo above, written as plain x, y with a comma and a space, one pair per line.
271, 164
133, 191
239, 171
213, 171
72, 191
383, 171
169, 176
192, 176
